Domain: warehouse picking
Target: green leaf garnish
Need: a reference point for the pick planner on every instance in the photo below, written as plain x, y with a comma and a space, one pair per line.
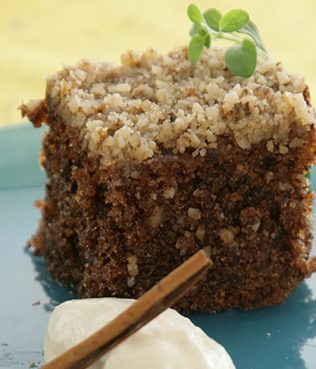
251, 30
233, 20
242, 59
207, 40
212, 17
194, 30
194, 14
202, 32
195, 48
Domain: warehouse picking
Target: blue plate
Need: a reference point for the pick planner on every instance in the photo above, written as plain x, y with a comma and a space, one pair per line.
281, 337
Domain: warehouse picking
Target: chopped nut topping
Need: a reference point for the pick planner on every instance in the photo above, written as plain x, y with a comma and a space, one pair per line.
156, 218
194, 214
169, 193
132, 266
226, 235
200, 232
283, 149
155, 101
270, 146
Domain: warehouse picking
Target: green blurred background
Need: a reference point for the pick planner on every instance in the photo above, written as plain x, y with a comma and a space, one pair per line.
38, 36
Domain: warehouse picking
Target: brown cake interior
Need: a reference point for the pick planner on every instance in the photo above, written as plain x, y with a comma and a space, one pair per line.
116, 232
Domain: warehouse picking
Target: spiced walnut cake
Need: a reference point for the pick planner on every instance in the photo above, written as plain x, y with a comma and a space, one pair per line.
149, 161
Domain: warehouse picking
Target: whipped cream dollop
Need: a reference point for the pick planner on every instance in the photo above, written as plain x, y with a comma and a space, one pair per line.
170, 341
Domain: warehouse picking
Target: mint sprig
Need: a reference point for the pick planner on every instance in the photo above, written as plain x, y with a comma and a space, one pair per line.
251, 29
212, 17
195, 47
194, 14
241, 59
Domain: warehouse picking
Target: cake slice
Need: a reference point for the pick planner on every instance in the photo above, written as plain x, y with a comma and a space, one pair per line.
149, 161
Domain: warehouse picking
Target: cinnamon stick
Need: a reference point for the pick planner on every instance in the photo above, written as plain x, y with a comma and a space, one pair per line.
147, 307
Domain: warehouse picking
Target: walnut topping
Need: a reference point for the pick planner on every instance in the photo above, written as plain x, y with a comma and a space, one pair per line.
269, 176
132, 266
194, 214
283, 149
270, 146
155, 101
227, 235
169, 193
36, 111
157, 217
121, 88
200, 232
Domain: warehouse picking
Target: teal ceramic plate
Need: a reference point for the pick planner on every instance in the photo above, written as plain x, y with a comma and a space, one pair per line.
281, 337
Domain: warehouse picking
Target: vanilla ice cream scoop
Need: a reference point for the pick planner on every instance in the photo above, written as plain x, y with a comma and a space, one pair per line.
170, 341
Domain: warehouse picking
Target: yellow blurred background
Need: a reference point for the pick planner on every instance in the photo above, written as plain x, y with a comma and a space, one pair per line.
38, 36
